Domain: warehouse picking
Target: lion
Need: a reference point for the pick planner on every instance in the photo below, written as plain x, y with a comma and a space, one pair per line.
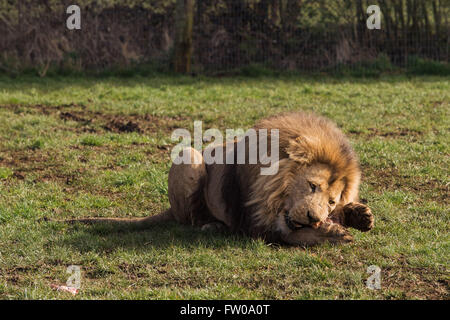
312, 199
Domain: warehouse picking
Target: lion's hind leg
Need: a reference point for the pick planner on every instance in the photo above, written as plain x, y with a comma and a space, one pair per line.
215, 227
186, 183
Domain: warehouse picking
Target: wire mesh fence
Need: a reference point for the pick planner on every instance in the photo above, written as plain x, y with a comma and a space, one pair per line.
304, 35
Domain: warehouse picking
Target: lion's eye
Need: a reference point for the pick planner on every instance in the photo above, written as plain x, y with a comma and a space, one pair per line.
331, 202
313, 187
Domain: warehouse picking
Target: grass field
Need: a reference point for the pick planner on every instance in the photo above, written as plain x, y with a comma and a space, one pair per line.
75, 147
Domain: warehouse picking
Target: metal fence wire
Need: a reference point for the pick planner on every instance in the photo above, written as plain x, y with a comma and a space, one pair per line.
304, 35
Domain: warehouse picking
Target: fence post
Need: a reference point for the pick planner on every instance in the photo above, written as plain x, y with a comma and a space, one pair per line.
184, 21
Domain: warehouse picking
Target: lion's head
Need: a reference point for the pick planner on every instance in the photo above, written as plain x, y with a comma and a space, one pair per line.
311, 196
317, 171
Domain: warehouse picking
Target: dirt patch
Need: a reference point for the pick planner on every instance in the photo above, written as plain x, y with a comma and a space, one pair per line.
73, 117
397, 133
416, 282
91, 121
119, 125
115, 123
392, 179
400, 132
27, 160
44, 165
134, 272
385, 178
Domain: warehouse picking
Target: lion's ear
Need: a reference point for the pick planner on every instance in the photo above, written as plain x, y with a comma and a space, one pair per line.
299, 150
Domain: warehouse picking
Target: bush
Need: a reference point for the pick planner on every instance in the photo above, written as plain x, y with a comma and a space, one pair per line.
372, 68
419, 66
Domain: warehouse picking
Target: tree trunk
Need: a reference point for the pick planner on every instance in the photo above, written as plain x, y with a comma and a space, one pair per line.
361, 14
184, 21
426, 19
390, 32
437, 18
275, 12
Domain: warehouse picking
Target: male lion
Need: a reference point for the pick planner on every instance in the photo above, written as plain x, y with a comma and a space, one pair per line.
311, 199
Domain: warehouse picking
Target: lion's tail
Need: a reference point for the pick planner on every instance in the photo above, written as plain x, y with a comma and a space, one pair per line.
126, 223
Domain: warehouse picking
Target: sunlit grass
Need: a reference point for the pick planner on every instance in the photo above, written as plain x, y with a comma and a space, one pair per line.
56, 165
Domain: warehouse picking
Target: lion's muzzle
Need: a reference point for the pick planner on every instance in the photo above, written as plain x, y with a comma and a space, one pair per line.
292, 224
295, 225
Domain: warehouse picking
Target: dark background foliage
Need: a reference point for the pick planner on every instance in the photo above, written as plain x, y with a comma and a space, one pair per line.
288, 35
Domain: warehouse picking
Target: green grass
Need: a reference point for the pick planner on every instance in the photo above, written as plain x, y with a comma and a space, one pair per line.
75, 147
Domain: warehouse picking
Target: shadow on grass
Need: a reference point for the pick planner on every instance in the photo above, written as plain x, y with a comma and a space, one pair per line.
104, 238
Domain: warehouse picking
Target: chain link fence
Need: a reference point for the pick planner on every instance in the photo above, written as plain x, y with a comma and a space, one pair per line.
285, 35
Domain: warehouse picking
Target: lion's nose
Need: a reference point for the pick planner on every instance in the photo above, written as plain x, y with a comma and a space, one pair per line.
312, 218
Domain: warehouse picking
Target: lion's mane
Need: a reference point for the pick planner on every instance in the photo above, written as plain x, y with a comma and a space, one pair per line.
254, 200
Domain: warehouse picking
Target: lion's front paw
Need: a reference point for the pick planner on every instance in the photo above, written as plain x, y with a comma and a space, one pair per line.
335, 233
358, 216
327, 232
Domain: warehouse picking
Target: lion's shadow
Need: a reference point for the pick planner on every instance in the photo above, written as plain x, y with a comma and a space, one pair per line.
104, 238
